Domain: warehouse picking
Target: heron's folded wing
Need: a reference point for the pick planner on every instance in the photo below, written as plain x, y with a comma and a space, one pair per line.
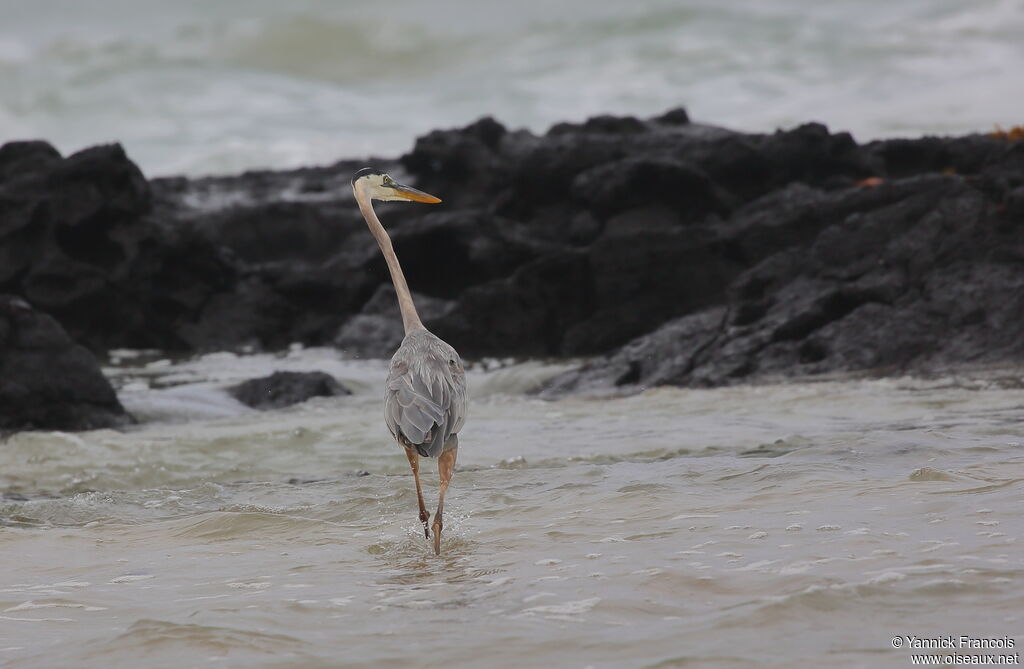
424, 406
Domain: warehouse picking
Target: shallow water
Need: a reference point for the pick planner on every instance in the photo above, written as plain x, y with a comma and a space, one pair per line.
784, 525
206, 87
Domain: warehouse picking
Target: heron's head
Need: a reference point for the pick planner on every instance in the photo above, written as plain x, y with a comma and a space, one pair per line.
379, 186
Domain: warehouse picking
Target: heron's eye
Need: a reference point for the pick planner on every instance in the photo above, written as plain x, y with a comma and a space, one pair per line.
387, 180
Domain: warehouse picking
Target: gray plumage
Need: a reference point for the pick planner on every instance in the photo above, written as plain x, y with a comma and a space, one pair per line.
425, 396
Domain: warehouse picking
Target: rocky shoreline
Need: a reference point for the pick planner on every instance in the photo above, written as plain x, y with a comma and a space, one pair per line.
677, 253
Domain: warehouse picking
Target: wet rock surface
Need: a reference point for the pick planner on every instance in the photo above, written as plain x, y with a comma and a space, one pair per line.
926, 275
680, 253
282, 389
77, 240
47, 381
377, 331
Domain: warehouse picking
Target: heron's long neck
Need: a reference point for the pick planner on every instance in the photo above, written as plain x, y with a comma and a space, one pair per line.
410, 319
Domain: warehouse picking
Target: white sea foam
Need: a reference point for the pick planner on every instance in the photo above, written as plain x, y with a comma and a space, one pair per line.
202, 89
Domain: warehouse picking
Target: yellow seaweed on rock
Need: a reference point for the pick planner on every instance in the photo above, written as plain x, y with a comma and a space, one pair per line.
1015, 133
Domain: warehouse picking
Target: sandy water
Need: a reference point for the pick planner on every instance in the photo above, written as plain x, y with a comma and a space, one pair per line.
801, 524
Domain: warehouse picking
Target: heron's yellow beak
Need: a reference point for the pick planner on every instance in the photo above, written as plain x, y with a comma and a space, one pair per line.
409, 193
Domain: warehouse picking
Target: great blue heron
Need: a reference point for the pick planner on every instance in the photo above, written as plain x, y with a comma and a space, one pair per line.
425, 395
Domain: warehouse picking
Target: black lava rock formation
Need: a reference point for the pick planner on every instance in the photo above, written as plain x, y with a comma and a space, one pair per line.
679, 253
47, 381
282, 389
77, 241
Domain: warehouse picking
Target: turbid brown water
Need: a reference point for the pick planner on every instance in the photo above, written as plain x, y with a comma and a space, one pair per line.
800, 524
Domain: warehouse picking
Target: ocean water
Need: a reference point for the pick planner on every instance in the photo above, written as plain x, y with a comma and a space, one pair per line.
201, 87
789, 525
803, 524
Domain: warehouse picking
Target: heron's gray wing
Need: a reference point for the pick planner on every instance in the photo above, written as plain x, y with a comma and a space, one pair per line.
424, 404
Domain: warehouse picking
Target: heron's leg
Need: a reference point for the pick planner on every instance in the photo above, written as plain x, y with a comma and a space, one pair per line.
445, 466
414, 462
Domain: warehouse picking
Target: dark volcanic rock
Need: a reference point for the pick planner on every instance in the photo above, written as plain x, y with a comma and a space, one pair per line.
527, 313
377, 331
927, 274
282, 389
77, 242
263, 259
638, 181
709, 256
18, 158
646, 269
47, 381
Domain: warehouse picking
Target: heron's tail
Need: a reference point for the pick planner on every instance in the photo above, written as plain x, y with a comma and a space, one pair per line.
434, 447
